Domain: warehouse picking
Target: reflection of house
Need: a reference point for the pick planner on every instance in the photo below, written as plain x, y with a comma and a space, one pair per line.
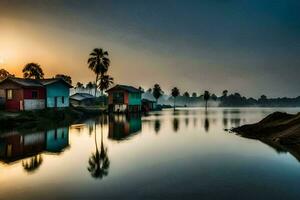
82, 99
148, 105
15, 146
30, 94
57, 139
122, 98
122, 126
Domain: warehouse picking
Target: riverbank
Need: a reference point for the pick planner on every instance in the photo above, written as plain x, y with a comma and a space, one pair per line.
278, 127
39, 118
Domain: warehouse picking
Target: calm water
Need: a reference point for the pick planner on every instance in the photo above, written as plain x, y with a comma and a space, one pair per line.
165, 155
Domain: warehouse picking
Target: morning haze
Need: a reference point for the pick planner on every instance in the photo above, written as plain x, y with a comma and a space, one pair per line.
251, 47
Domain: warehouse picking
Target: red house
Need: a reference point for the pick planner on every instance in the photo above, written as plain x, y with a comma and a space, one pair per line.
22, 94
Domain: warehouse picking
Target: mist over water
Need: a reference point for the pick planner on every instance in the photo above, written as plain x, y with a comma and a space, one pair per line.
163, 155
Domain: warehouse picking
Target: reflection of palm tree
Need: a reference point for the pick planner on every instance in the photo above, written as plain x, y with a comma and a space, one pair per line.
175, 124
33, 164
99, 161
206, 124
156, 126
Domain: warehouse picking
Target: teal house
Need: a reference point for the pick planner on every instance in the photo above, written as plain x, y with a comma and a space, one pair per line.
124, 98
57, 92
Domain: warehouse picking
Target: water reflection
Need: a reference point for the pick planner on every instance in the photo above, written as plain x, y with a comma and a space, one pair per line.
122, 127
175, 124
99, 162
28, 147
157, 125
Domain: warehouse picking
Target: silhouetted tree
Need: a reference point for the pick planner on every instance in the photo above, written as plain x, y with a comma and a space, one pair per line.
105, 82
157, 92
33, 70
194, 94
79, 86
225, 93
141, 89
175, 93
98, 63
214, 97
67, 78
206, 97
89, 86
4, 74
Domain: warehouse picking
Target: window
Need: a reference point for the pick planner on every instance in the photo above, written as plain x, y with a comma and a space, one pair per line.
63, 100
34, 94
9, 94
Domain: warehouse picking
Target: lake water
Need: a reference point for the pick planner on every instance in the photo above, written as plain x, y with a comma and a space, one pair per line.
185, 154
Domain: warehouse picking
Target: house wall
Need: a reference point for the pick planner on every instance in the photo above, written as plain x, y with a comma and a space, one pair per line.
31, 103
13, 104
110, 96
58, 90
134, 99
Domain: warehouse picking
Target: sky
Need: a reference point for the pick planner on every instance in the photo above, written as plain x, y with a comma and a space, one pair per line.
246, 46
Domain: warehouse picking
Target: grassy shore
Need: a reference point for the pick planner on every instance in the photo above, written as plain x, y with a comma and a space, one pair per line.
43, 118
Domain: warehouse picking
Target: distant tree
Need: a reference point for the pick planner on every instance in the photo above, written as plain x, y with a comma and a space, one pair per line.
89, 86
206, 97
175, 93
4, 74
225, 93
98, 63
141, 89
157, 92
79, 86
105, 82
67, 78
263, 100
214, 97
33, 71
149, 90
186, 94
194, 94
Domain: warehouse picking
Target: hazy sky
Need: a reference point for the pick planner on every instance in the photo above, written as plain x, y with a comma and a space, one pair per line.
248, 46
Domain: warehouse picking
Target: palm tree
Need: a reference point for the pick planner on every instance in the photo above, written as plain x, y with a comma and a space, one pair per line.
4, 74
187, 96
66, 78
175, 93
99, 161
98, 63
157, 92
79, 86
89, 86
33, 71
206, 97
105, 82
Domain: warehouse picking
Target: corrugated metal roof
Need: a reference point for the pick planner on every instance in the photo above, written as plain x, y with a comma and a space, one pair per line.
125, 87
81, 96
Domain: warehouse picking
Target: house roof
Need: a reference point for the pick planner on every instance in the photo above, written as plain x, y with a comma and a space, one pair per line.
126, 88
33, 82
24, 82
81, 96
50, 81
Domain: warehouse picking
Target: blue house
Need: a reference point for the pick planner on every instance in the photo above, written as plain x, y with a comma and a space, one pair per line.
57, 92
